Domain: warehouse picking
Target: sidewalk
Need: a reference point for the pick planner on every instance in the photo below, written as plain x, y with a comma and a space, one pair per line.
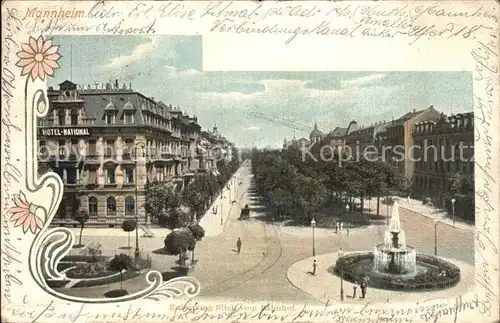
432, 213
418, 208
116, 232
212, 222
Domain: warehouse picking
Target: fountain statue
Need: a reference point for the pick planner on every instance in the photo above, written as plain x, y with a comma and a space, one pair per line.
394, 256
394, 265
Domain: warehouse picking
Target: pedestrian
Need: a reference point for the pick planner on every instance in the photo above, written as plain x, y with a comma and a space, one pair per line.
341, 226
238, 245
315, 265
347, 230
336, 227
354, 288
340, 253
363, 288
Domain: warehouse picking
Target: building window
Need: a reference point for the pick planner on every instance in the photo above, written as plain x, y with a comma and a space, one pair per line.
92, 148
74, 147
61, 117
129, 175
43, 149
129, 206
92, 177
110, 118
74, 117
110, 147
129, 118
71, 176
62, 147
92, 206
110, 176
111, 206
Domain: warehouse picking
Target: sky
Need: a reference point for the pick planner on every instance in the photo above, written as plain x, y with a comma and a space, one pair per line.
255, 108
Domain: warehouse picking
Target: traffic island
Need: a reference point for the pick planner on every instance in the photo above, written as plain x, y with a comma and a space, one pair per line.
326, 285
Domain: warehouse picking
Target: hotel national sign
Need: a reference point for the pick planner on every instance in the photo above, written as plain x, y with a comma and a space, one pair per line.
61, 132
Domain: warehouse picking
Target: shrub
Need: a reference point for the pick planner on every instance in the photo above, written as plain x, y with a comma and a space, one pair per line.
197, 231
89, 270
94, 252
120, 262
443, 275
129, 225
178, 241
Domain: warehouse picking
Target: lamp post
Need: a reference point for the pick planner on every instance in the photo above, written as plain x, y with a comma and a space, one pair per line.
387, 216
453, 210
342, 284
436, 222
313, 225
136, 253
221, 211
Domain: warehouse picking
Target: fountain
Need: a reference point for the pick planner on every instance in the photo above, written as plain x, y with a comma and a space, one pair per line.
393, 256
395, 265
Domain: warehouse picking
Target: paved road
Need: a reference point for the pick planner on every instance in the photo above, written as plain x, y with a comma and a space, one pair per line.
260, 271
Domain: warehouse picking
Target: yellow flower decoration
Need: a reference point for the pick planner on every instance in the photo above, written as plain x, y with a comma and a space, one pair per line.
38, 58
28, 215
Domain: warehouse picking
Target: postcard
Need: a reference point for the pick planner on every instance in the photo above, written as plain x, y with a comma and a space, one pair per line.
250, 161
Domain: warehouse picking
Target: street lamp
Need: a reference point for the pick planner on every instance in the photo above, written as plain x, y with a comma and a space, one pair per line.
136, 253
436, 222
387, 215
342, 284
221, 211
453, 210
313, 225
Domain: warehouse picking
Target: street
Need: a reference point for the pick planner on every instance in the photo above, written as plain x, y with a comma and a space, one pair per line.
268, 250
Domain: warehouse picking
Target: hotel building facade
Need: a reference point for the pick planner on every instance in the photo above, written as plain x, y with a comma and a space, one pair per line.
108, 143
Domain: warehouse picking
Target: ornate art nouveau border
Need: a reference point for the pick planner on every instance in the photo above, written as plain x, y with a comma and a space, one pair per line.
33, 211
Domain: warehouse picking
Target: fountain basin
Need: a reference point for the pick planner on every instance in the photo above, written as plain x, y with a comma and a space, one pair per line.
430, 273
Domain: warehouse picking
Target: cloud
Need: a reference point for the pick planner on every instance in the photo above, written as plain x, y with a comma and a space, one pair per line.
252, 128
180, 72
138, 53
358, 81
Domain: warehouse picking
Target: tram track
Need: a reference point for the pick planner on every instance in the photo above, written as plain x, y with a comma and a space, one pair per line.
273, 254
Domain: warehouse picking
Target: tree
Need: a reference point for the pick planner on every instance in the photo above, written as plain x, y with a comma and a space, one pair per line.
198, 233
163, 202
81, 217
179, 241
121, 263
129, 225
195, 196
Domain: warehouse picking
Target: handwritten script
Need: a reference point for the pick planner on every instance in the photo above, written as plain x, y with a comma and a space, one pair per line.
193, 311
292, 21
10, 173
485, 54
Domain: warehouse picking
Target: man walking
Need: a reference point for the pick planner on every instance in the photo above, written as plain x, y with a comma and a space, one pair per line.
315, 265
363, 288
238, 245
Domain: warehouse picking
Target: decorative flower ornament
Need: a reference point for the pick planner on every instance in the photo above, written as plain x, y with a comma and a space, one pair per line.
28, 215
38, 58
